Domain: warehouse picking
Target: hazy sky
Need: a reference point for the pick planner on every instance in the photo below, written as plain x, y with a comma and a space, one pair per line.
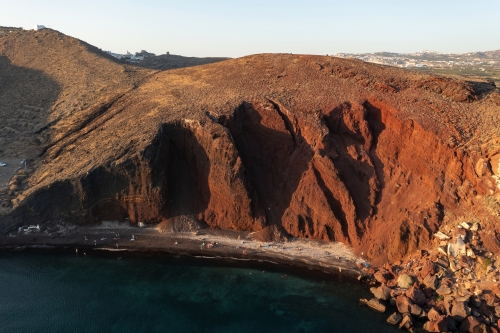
235, 28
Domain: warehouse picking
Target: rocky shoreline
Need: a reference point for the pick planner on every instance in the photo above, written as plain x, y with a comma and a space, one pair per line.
451, 288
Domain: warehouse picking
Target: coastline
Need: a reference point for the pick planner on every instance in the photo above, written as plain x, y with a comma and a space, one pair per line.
331, 258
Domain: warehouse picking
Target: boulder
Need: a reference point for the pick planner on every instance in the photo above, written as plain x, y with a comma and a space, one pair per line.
382, 292
374, 304
431, 281
427, 268
443, 290
433, 314
485, 310
476, 302
403, 304
496, 290
406, 322
428, 292
469, 324
405, 281
392, 283
456, 249
490, 299
459, 310
395, 318
397, 292
383, 276
416, 295
440, 325
443, 262
497, 311
447, 301
439, 235
452, 324
416, 310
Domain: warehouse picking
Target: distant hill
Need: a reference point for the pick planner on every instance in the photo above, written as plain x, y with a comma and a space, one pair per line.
171, 61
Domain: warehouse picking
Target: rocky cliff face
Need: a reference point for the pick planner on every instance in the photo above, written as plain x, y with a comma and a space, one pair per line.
331, 149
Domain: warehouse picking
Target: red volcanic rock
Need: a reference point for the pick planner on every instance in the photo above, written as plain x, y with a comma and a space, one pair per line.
333, 149
273, 233
382, 276
382, 292
433, 314
416, 295
438, 325
459, 310
427, 268
403, 304
496, 289
469, 324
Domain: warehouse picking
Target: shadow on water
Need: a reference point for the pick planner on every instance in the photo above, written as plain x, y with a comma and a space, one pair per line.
166, 293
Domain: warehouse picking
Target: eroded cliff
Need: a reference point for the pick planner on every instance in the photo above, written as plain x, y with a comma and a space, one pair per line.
332, 149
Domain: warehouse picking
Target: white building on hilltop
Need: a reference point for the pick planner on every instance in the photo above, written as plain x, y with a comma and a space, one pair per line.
39, 27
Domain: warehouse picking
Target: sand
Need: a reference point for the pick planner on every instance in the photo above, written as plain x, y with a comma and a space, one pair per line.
117, 237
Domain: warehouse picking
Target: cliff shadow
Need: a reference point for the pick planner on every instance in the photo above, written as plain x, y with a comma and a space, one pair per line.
354, 131
182, 167
26, 97
274, 156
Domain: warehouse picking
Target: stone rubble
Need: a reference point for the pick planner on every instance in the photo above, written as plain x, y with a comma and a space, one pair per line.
455, 287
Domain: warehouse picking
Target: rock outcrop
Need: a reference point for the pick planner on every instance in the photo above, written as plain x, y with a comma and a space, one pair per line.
333, 149
451, 291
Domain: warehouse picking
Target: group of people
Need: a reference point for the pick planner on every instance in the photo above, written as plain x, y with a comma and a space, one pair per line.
208, 245
116, 238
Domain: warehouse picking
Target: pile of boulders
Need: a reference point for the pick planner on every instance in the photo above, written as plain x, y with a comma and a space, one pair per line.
452, 288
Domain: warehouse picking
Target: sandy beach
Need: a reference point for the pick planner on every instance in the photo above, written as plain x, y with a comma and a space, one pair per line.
117, 237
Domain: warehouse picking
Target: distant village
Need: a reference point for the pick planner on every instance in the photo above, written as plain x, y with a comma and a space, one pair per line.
132, 57
428, 59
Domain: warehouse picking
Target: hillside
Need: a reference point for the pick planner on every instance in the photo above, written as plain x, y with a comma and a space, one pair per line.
54, 79
335, 149
51, 85
172, 61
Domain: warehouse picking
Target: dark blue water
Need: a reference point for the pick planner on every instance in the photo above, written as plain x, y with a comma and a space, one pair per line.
68, 293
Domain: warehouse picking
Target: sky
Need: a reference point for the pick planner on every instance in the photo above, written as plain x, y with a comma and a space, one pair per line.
234, 28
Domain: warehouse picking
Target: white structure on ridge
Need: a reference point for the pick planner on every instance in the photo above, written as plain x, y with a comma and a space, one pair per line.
39, 27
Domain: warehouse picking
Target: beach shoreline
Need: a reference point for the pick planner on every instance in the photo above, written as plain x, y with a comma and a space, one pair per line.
334, 258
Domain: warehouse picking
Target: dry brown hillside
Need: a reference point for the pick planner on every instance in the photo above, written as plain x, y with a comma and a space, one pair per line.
333, 149
172, 61
51, 84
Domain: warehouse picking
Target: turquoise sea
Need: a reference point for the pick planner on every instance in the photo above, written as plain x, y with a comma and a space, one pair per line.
65, 292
